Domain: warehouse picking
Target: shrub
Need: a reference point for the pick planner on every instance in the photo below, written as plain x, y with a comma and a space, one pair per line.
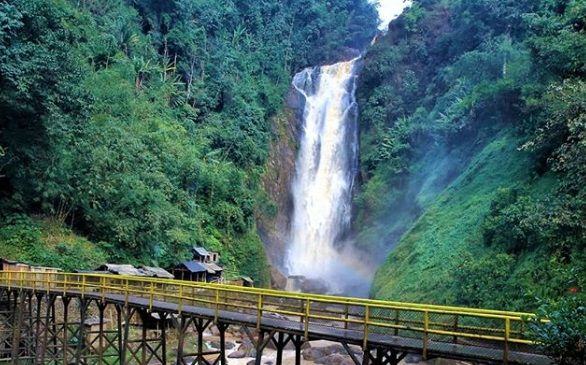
560, 330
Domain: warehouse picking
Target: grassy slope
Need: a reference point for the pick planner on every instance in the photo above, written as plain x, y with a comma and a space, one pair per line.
421, 267
46, 242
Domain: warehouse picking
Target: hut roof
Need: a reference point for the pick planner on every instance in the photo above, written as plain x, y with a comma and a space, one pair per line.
200, 251
213, 268
194, 266
12, 262
120, 269
155, 272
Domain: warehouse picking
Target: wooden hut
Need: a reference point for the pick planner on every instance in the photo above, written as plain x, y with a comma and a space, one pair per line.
190, 270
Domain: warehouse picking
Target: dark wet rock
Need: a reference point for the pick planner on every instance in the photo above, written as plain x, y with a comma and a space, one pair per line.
237, 355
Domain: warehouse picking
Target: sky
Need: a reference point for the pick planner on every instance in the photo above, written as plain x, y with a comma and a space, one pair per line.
389, 9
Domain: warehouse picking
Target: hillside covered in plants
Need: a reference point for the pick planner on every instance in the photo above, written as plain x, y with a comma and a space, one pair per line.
132, 130
473, 153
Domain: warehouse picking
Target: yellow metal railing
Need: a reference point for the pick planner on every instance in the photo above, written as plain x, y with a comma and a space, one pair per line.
431, 326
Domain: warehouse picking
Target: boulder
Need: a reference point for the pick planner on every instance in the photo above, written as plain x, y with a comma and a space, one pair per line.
332, 359
412, 359
227, 345
312, 354
237, 355
247, 347
278, 280
348, 361
214, 331
334, 349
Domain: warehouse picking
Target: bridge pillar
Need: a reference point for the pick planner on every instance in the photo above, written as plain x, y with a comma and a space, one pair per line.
297, 342
260, 345
82, 349
18, 319
196, 326
222, 327
150, 345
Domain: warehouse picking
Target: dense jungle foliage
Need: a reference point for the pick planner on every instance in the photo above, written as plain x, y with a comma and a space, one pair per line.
474, 118
133, 129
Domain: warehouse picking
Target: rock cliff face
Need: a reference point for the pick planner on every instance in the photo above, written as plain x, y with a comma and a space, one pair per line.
273, 224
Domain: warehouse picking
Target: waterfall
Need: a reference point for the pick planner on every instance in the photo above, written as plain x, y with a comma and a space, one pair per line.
326, 168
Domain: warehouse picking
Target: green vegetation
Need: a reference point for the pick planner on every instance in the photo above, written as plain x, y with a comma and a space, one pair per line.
144, 125
563, 335
473, 118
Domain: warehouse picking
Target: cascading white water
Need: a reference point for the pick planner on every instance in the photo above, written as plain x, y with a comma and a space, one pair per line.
325, 172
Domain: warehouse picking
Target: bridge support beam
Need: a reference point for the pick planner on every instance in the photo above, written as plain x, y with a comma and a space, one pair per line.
382, 356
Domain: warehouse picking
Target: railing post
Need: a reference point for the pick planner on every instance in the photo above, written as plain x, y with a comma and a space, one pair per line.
83, 287
152, 295
346, 314
456, 328
9, 280
366, 322
425, 333
217, 306
64, 284
507, 336
103, 288
180, 299
126, 291
259, 311
306, 321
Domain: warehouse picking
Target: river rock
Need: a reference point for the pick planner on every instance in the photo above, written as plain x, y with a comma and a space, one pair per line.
332, 359
237, 355
334, 349
412, 359
227, 345
314, 286
348, 361
247, 347
214, 331
313, 354
278, 280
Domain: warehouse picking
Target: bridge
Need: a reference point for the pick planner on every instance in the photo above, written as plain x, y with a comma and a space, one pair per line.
67, 318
